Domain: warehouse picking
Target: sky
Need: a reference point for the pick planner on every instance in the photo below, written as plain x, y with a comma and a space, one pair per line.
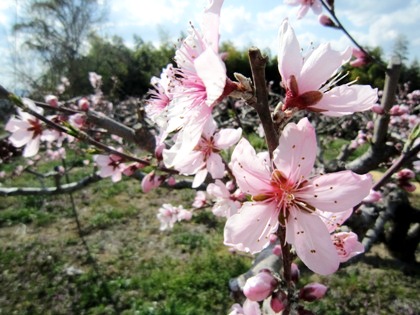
246, 23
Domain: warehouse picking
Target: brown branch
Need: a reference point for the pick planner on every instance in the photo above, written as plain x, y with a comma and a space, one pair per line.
258, 64
379, 151
48, 191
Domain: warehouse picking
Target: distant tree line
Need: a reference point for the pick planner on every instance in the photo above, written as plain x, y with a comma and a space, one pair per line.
62, 35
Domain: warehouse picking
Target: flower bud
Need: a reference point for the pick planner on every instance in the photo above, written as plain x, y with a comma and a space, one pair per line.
260, 286
278, 301
277, 250
374, 196
295, 272
377, 109
312, 292
326, 21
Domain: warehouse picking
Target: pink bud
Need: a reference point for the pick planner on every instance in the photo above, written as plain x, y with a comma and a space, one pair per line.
408, 186
150, 181
370, 124
171, 181
326, 21
295, 273
374, 196
273, 238
260, 286
377, 109
405, 174
277, 250
278, 301
312, 292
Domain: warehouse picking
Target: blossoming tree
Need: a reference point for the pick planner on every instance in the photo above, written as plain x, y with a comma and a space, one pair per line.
282, 200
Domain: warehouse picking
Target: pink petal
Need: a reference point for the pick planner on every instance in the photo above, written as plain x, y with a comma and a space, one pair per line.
249, 229
215, 166
20, 137
212, 71
218, 189
336, 191
344, 100
289, 57
321, 64
308, 234
199, 178
251, 172
209, 128
225, 138
31, 148
296, 153
333, 220
210, 24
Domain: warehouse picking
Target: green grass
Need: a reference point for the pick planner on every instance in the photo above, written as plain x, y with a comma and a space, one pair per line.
146, 271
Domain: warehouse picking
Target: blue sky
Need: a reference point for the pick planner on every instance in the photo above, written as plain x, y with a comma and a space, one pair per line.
244, 22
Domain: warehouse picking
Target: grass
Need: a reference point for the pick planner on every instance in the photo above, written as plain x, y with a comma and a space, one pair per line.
146, 271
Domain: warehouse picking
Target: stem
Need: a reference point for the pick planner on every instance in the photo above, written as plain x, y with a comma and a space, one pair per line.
258, 63
340, 26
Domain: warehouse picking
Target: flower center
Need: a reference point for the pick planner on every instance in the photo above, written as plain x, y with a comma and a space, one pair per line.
300, 101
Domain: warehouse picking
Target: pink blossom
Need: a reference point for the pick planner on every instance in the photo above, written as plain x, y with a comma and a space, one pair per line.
169, 214
52, 100
312, 292
95, 80
374, 196
305, 5
377, 109
110, 166
284, 193
361, 58
260, 286
200, 199
205, 157
26, 130
151, 181
131, 168
203, 80
305, 80
83, 104
347, 245
398, 110
161, 95
225, 204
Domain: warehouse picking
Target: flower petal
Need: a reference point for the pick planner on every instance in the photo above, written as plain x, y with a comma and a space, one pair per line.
321, 64
344, 100
251, 172
212, 71
308, 234
249, 229
289, 57
225, 138
336, 191
215, 166
210, 24
296, 153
